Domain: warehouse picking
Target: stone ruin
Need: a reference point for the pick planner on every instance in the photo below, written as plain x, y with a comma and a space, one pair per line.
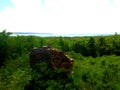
53, 57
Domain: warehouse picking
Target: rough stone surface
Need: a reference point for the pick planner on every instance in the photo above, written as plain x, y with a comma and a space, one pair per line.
53, 57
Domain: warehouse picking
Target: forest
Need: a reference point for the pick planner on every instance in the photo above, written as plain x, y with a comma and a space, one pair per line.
96, 63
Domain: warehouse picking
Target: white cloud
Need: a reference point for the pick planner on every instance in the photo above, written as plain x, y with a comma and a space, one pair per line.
62, 16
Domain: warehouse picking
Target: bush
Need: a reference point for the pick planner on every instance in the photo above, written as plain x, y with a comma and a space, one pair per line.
46, 78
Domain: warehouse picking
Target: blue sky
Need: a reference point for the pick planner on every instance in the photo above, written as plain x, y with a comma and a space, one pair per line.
43, 2
60, 16
4, 3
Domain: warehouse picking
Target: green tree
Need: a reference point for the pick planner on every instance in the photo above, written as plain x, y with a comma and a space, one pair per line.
3, 46
92, 47
79, 47
64, 45
101, 46
116, 44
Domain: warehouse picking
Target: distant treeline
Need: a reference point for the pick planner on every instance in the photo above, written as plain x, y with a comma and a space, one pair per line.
14, 46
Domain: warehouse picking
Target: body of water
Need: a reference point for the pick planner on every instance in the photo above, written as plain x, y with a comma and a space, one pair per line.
57, 35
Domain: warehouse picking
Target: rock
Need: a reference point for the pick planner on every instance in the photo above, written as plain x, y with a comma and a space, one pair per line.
53, 57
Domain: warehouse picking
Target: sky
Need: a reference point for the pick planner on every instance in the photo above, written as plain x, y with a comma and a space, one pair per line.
60, 16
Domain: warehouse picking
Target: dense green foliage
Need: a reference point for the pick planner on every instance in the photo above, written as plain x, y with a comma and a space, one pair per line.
96, 63
3, 46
